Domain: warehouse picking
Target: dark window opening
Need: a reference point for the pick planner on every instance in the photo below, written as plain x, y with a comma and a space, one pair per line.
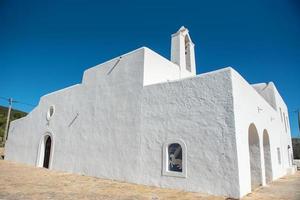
47, 152
175, 157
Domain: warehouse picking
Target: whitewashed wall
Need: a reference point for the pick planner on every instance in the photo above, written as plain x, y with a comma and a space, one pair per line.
115, 123
251, 107
158, 69
198, 111
104, 139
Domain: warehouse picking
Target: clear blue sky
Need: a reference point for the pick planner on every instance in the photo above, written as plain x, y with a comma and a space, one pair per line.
46, 45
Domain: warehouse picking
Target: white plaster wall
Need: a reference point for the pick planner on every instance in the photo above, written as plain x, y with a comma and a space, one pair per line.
104, 138
178, 49
111, 126
251, 107
157, 69
16, 143
266, 90
198, 111
286, 138
114, 125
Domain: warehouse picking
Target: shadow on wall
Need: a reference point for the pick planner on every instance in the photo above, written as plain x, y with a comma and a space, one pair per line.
254, 153
267, 157
296, 148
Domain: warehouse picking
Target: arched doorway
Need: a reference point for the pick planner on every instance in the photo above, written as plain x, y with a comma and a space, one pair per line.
267, 157
255, 160
47, 152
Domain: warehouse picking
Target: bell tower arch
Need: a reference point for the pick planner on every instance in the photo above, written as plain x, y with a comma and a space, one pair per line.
183, 53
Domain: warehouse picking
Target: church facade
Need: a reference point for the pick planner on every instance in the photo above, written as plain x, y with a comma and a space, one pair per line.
143, 119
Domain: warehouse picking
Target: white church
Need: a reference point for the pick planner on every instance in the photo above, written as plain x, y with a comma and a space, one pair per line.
144, 119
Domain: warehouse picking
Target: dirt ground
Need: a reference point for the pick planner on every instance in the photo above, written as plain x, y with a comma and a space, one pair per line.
19, 181
285, 188
1, 152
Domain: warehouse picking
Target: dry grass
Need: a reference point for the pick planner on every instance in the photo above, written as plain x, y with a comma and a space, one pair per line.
19, 181
1, 152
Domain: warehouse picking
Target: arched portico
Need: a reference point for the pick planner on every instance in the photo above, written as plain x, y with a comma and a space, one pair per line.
267, 157
255, 157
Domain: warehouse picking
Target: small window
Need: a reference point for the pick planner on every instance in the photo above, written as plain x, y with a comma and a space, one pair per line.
278, 155
174, 159
50, 112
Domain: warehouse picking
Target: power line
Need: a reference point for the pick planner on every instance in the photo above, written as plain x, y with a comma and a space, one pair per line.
10, 102
3, 98
27, 104
16, 101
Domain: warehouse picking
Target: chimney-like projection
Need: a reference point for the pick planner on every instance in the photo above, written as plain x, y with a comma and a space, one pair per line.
183, 53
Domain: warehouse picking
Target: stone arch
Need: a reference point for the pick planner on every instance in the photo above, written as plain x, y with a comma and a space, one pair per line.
267, 157
45, 151
255, 157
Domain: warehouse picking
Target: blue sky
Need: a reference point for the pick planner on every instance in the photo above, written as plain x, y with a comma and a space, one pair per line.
46, 45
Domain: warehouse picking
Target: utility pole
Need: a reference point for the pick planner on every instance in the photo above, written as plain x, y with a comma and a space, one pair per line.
10, 101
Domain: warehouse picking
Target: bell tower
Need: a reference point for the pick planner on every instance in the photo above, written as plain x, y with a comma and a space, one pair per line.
183, 53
